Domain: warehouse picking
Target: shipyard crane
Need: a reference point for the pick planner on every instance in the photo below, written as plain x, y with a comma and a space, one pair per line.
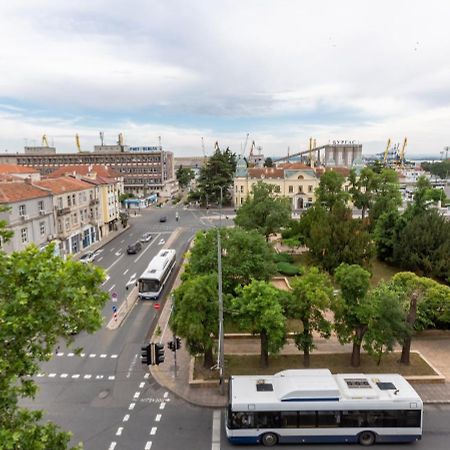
77, 142
102, 137
245, 145
386, 151
120, 139
44, 141
402, 152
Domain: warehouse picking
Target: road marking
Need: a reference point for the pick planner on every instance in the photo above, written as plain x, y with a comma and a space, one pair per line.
158, 418
82, 355
76, 375
111, 377
118, 253
162, 405
112, 446
114, 356
146, 376
119, 431
70, 354
132, 405
114, 263
136, 395
122, 241
88, 376
126, 271
39, 375
99, 259
98, 377
148, 445
153, 431
216, 430
64, 375
111, 288
60, 354
106, 279
92, 355
112, 249
52, 375
103, 355
141, 385
166, 394
125, 418
146, 249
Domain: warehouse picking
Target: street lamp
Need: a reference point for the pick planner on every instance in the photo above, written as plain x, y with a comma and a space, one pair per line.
219, 270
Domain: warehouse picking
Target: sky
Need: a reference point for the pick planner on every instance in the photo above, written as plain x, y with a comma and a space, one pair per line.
281, 71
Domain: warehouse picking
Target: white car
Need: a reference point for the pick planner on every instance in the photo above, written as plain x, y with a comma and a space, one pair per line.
88, 257
146, 237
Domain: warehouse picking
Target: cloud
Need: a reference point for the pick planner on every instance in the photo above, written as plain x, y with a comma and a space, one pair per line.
280, 70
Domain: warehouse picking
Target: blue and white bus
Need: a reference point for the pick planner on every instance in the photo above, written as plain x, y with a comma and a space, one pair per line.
155, 276
314, 406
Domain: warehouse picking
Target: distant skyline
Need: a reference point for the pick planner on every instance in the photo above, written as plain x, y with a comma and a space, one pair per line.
282, 71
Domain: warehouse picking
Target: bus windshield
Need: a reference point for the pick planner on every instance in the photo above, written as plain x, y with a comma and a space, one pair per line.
149, 285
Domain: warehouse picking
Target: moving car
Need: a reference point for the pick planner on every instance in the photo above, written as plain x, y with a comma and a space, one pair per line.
88, 257
163, 219
146, 237
134, 248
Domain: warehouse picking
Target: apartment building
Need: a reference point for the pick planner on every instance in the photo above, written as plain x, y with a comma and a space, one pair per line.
29, 215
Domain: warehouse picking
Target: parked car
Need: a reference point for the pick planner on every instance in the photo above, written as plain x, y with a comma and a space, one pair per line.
88, 257
134, 248
146, 237
163, 219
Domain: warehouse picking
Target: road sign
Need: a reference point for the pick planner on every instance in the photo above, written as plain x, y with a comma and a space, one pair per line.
156, 306
114, 308
114, 296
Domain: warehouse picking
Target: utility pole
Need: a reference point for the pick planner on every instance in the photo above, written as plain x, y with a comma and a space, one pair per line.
221, 331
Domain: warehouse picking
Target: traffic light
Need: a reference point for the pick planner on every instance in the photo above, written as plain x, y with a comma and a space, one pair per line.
146, 355
177, 343
171, 346
159, 353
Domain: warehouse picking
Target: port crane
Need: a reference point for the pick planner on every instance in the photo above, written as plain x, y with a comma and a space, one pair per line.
44, 142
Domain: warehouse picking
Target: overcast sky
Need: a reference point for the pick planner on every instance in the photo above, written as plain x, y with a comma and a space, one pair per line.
280, 70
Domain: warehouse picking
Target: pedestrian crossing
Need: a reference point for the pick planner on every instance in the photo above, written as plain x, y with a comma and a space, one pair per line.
86, 355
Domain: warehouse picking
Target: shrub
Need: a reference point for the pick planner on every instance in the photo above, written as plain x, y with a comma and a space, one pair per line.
287, 269
283, 257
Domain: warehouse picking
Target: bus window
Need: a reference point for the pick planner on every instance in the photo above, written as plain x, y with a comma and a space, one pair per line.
289, 419
307, 419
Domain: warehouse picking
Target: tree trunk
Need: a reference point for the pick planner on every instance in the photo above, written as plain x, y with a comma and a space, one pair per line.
410, 320
264, 349
356, 352
208, 358
306, 358
363, 213
306, 342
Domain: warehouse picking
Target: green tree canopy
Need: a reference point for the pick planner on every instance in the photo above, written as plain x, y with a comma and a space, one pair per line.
268, 162
245, 256
311, 298
195, 315
363, 189
184, 176
217, 172
257, 308
330, 192
42, 298
264, 211
440, 169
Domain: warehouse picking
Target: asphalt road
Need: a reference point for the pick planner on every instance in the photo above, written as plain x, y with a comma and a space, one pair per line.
108, 399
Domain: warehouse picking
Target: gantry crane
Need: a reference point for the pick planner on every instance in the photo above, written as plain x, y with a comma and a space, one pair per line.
386, 151
77, 142
44, 141
402, 152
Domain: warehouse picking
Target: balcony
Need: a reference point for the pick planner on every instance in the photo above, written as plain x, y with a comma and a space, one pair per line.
62, 211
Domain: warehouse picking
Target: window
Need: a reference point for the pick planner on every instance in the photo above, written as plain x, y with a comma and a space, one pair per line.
307, 419
291, 189
42, 228
289, 419
310, 188
242, 189
22, 210
328, 419
24, 235
73, 199
41, 205
60, 202
69, 200
277, 189
74, 218
300, 188
67, 223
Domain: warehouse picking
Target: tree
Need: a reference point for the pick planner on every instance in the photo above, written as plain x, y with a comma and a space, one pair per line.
352, 310
268, 162
245, 256
195, 315
334, 237
258, 309
386, 234
387, 324
42, 297
329, 192
184, 176
440, 169
423, 244
217, 172
311, 298
387, 195
363, 189
264, 211
425, 195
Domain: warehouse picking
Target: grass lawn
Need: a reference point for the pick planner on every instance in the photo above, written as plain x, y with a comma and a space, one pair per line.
336, 362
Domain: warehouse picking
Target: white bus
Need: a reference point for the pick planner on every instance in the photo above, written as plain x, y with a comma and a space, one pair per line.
152, 281
314, 406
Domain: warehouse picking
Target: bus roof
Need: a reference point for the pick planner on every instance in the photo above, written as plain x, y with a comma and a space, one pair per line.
319, 385
158, 264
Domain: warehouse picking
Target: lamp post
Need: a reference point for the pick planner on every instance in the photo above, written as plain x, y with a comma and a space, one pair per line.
219, 270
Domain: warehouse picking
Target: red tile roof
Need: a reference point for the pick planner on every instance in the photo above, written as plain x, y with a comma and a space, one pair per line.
16, 192
265, 172
296, 165
14, 168
62, 185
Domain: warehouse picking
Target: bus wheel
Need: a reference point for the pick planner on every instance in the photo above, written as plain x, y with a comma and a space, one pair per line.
366, 438
269, 439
